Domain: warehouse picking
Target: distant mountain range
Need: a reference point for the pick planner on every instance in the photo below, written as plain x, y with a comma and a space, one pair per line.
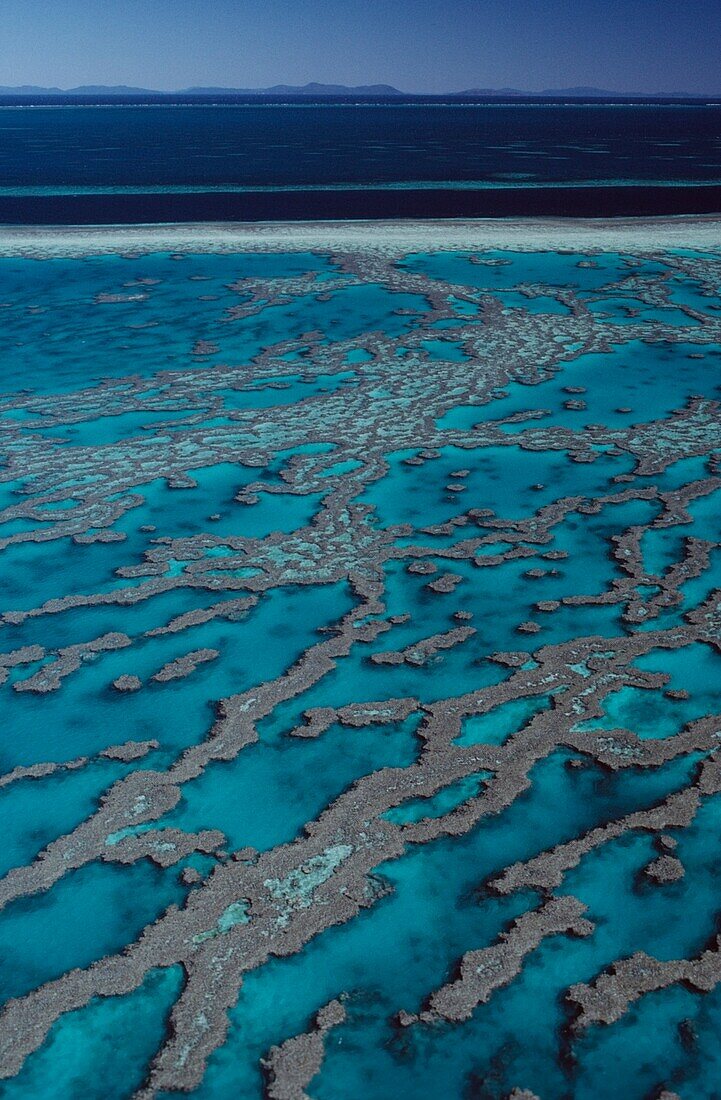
342, 90
582, 92
277, 89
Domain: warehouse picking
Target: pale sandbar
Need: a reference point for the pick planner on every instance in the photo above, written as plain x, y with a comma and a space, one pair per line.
692, 231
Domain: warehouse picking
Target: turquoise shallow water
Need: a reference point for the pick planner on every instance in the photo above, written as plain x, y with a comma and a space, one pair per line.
381, 537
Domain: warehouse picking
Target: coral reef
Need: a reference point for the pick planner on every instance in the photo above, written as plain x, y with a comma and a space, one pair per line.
362, 537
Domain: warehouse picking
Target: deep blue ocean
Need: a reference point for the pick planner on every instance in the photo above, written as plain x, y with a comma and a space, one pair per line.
70, 162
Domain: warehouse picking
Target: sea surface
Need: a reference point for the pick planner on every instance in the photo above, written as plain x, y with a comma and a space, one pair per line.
65, 161
336, 590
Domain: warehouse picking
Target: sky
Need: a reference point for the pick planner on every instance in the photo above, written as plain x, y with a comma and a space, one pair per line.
416, 45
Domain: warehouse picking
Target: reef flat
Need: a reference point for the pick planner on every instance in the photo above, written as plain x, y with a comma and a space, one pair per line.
360, 650
700, 231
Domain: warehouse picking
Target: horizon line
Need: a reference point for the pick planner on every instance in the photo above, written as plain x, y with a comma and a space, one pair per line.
340, 89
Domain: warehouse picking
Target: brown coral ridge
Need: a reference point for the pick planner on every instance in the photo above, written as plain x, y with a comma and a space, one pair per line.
24, 656
547, 870
421, 652
183, 666
291, 1066
608, 998
127, 753
69, 660
665, 869
484, 971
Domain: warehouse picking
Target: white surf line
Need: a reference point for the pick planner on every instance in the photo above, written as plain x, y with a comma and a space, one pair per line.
693, 231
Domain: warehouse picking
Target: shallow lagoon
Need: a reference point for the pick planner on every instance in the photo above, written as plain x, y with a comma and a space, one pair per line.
220, 458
